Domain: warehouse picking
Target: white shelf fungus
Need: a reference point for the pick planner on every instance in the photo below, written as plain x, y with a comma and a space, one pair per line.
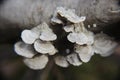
38, 40
70, 15
38, 62
55, 19
69, 28
28, 36
77, 38
61, 61
84, 52
53, 52
47, 33
73, 59
79, 35
48, 36
24, 50
44, 47
42, 31
104, 45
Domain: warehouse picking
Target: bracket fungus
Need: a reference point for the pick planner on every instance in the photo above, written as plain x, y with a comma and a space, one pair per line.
44, 47
42, 31
36, 41
82, 42
28, 36
73, 59
61, 61
104, 45
38, 62
24, 50
69, 28
69, 14
84, 52
55, 19
47, 33
79, 35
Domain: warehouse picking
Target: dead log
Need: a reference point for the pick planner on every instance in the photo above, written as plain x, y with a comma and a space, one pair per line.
28, 13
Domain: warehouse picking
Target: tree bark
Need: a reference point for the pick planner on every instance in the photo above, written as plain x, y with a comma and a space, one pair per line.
29, 13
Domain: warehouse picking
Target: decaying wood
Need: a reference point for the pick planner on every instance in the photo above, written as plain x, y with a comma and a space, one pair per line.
27, 13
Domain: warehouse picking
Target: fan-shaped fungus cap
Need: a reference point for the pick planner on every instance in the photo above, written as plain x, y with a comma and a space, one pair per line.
79, 34
44, 47
53, 52
48, 36
104, 45
69, 28
73, 59
24, 50
47, 33
29, 36
84, 52
80, 38
38, 62
55, 19
70, 15
42, 31
61, 61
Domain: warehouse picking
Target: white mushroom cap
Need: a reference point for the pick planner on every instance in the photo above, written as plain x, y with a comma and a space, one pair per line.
38, 62
72, 37
48, 36
25, 50
55, 19
44, 47
104, 45
44, 27
90, 37
61, 61
42, 31
79, 34
84, 52
70, 15
73, 59
29, 36
47, 33
69, 28
80, 38
54, 52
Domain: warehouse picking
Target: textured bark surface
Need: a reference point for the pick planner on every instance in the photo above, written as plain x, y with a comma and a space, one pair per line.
28, 13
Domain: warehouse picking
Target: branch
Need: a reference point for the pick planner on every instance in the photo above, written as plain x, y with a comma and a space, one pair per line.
27, 13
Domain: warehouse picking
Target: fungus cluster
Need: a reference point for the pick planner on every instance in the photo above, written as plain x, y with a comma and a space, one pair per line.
38, 44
